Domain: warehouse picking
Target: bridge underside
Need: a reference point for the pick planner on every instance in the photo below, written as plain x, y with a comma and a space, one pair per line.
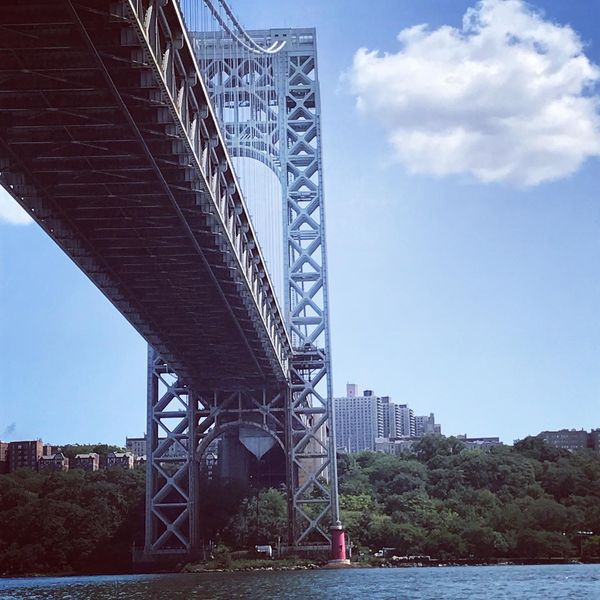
91, 149
108, 140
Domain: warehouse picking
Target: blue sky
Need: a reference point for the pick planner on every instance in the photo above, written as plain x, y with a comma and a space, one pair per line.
463, 231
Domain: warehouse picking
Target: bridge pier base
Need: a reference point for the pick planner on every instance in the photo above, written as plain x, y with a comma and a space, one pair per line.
171, 465
182, 426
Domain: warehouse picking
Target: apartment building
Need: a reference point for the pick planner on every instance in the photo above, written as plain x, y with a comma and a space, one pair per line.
571, 439
24, 454
123, 460
53, 462
87, 462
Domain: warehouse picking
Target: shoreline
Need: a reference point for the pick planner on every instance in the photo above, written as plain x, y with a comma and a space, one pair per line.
276, 565
388, 563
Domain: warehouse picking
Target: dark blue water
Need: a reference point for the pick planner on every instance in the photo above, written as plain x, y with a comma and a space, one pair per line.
555, 582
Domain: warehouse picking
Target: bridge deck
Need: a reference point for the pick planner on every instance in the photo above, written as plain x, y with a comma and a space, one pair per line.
91, 147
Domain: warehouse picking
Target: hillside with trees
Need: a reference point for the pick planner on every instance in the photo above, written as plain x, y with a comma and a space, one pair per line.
527, 501
70, 522
530, 501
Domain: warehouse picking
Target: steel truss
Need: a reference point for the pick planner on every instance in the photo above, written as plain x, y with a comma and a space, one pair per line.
181, 425
282, 130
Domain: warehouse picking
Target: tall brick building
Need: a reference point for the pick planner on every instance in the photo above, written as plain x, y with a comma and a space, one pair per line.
3, 458
24, 455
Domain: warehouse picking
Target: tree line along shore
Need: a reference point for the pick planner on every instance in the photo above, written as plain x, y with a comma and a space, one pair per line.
526, 503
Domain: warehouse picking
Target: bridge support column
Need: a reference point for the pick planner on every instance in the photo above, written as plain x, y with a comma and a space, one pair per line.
172, 467
312, 481
182, 424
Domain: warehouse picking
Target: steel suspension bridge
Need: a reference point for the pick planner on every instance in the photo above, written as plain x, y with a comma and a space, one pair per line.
126, 127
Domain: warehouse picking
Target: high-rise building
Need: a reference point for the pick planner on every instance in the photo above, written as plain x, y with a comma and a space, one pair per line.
361, 420
357, 420
351, 390
404, 421
387, 428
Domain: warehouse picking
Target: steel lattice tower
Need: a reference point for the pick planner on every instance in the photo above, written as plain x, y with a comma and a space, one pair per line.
284, 87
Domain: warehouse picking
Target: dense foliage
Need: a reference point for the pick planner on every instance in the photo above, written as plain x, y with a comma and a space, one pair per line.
241, 517
528, 501
73, 521
89, 522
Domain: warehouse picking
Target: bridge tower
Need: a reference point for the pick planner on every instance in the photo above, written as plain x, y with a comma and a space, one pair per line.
281, 128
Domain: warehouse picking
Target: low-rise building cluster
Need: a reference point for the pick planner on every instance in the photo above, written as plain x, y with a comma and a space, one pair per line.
363, 422
37, 456
174, 449
572, 439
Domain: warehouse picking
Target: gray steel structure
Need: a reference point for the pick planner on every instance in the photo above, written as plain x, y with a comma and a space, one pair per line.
109, 140
281, 128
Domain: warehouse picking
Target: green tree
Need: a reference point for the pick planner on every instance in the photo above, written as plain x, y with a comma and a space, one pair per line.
261, 519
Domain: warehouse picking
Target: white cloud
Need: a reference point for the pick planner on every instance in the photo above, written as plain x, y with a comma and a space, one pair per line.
11, 212
508, 97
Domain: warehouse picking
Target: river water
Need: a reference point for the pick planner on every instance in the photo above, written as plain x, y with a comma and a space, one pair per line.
540, 582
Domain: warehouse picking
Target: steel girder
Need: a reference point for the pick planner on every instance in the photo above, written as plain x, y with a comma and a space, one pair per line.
107, 129
285, 89
164, 37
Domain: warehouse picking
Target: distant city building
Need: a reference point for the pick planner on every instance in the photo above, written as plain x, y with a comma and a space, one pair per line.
123, 460
49, 450
54, 462
594, 440
177, 449
395, 445
397, 420
357, 420
87, 462
137, 446
351, 390
3, 458
475, 443
571, 439
405, 424
425, 425
24, 454
361, 419
387, 416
